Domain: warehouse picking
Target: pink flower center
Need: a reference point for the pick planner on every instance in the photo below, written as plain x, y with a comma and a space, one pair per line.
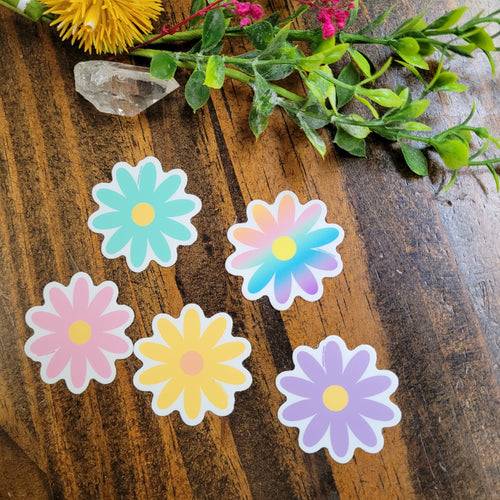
192, 363
335, 398
80, 332
284, 248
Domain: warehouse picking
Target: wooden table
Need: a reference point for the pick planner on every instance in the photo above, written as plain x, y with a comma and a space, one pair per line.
421, 284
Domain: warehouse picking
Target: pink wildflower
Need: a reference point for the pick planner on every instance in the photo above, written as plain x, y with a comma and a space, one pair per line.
256, 12
327, 26
333, 14
247, 10
242, 8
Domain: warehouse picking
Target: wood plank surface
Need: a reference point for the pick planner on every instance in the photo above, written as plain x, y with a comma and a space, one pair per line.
421, 284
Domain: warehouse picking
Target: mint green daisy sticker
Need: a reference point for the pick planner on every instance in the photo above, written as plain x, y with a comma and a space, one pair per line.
144, 214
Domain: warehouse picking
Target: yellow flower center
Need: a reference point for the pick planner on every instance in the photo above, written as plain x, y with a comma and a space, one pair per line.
192, 363
143, 214
284, 248
335, 398
80, 332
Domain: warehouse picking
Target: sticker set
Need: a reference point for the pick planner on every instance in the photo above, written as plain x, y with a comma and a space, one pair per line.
336, 397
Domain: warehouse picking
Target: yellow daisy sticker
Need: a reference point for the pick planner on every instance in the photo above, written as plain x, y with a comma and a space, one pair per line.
192, 364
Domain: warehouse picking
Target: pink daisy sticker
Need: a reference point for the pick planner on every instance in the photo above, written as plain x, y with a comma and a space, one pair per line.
79, 333
338, 399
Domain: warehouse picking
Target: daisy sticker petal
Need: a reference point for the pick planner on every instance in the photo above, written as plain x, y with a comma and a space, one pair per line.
192, 364
285, 250
144, 214
338, 399
79, 332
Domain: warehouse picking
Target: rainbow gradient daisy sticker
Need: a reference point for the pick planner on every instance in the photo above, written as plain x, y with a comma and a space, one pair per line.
285, 250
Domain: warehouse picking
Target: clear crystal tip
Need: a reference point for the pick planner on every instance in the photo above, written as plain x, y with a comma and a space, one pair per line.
120, 89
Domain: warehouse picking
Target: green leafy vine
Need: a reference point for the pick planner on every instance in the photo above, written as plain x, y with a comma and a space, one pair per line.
393, 114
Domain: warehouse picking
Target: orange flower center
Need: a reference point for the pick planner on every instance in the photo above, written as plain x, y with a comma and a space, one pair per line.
192, 363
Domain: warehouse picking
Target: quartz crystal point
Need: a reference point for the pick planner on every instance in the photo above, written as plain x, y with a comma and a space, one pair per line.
120, 89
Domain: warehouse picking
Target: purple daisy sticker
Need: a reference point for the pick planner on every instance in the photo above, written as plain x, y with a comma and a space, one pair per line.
338, 399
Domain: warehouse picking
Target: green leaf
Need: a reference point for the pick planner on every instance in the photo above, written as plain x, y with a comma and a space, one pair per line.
354, 146
426, 48
361, 61
357, 131
481, 39
352, 15
319, 86
163, 66
464, 135
407, 46
324, 45
452, 180
403, 92
387, 133
415, 23
411, 110
444, 79
367, 103
215, 72
214, 28
495, 176
260, 34
196, 92
264, 100
490, 59
413, 70
311, 63
273, 19
272, 71
482, 132
451, 87
454, 153
313, 136
464, 49
375, 24
416, 126
334, 54
378, 73
384, 97
277, 41
196, 6
329, 52
414, 158
350, 76
314, 113
448, 20
415, 59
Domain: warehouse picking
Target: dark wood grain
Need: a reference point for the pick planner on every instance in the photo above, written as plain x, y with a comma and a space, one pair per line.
421, 283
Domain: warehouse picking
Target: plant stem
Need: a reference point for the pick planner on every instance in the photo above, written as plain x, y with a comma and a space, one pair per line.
484, 162
336, 82
231, 73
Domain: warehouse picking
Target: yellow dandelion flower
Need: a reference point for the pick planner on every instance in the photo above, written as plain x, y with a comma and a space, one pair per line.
192, 364
107, 26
